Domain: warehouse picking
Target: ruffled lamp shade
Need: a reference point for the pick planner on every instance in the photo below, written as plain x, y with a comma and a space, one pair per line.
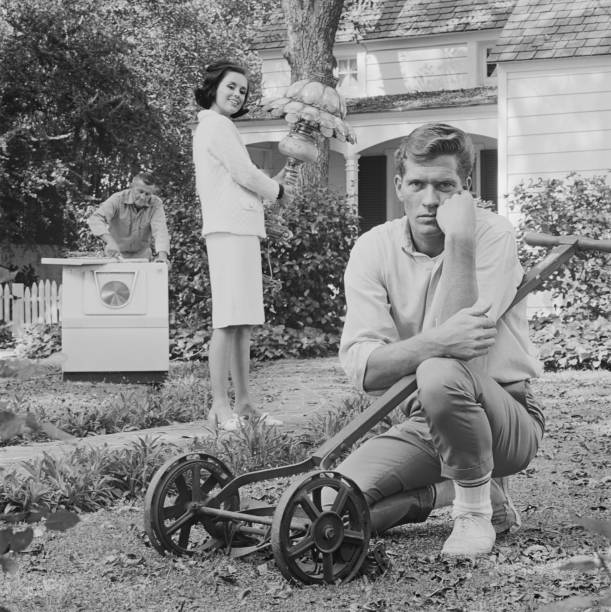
309, 107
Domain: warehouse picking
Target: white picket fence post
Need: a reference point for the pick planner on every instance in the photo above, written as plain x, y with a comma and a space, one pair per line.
40, 303
5, 303
17, 308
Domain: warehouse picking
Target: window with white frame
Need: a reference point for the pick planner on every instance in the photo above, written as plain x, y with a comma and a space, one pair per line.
489, 76
347, 73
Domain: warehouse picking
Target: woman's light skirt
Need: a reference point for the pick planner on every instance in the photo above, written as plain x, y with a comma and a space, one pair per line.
236, 280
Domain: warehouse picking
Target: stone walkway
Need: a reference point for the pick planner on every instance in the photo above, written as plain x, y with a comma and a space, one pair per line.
291, 390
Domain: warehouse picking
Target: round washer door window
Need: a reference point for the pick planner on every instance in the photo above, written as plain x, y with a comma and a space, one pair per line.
114, 294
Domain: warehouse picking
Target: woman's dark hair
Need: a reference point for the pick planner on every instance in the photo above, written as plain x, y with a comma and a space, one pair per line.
206, 94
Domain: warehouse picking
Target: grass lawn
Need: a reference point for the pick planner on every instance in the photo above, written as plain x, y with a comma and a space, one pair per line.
106, 562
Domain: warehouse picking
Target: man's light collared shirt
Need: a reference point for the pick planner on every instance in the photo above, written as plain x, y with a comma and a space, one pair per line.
391, 291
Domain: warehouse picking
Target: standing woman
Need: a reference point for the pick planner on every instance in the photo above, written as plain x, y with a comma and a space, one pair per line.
231, 190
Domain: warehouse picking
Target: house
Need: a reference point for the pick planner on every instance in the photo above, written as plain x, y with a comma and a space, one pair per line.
527, 79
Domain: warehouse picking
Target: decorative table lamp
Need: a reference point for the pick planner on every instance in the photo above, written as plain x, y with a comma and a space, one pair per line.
310, 108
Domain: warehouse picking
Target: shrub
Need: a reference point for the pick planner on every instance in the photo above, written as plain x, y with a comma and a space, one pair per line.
578, 345
564, 206
311, 264
255, 446
39, 341
91, 478
281, 342
268, 342
86, 479
303, 292
180, 400
6, 336
578, 337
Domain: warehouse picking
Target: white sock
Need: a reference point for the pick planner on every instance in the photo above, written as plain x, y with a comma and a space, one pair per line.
473, 496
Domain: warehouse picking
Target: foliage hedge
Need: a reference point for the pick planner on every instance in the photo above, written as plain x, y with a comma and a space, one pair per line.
573, 205
6, 336
578, 335
572, 345
303, 292
39, 341
92, 92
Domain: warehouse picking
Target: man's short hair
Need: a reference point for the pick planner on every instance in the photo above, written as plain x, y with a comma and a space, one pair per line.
431, 140
146, 177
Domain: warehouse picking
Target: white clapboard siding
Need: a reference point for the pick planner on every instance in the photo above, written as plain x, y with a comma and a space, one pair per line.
386, 71
554, 118
275, 77
40, 303
397, 71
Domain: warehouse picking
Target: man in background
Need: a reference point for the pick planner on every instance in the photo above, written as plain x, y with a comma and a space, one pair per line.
131, 222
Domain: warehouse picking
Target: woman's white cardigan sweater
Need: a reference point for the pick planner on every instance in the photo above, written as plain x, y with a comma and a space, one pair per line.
230, 187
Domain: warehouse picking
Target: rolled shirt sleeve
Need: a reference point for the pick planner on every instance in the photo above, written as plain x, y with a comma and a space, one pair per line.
99, 221
369, 323
499, 272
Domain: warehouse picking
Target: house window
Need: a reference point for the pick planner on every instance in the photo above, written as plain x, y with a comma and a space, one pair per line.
347, 75
489, 68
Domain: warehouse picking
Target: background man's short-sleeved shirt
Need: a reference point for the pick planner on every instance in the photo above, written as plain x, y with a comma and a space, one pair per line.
133, 229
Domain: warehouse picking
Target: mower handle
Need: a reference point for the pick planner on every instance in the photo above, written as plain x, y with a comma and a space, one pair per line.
584, 244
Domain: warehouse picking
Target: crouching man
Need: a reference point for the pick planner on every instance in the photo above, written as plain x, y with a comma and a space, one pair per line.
427, 294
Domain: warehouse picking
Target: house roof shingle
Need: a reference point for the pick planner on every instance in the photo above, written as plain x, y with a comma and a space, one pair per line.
540, 29
447, 98
399, 18
416, 100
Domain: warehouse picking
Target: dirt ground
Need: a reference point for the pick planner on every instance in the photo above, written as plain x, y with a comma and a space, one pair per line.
106, 562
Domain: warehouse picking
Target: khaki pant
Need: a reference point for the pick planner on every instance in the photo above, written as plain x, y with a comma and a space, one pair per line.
462, 425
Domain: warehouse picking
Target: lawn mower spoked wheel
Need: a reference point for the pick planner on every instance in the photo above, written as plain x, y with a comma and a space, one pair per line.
171, 518
321, 529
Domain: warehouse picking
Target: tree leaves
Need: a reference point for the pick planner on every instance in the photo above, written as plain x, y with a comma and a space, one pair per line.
92, 92
571, 205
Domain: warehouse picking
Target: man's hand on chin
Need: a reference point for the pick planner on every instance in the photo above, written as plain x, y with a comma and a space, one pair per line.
456, 216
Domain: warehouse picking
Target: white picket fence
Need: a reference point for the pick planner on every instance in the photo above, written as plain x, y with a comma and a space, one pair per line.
20, 305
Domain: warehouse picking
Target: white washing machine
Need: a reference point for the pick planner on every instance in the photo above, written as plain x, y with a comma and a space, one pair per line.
114, 319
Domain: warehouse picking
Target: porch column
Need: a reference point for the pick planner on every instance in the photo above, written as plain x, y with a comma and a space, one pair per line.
394, 208
352, 179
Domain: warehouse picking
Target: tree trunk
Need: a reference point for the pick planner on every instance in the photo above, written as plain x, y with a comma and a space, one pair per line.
311, 28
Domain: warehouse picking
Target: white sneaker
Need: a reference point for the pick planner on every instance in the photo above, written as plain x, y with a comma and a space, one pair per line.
473, 535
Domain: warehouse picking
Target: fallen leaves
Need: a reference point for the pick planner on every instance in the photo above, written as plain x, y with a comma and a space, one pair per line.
15, 540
